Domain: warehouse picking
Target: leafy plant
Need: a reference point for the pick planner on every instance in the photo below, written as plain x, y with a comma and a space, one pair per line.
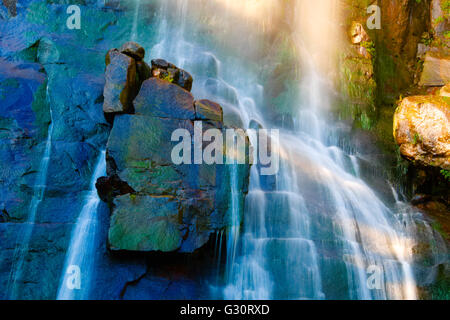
168, 78
445, 5
427, 39
446, 174
370, 47
439, 20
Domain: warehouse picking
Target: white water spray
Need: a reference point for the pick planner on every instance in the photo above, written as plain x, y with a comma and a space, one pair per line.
320, 226
134, 28
80, 259
40, 184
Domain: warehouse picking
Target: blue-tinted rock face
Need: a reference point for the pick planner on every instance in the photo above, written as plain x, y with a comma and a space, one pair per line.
50, 75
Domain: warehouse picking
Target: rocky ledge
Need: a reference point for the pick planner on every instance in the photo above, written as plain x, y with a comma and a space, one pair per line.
155, 204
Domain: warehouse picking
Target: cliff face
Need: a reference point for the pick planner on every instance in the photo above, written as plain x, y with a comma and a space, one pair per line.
403, 24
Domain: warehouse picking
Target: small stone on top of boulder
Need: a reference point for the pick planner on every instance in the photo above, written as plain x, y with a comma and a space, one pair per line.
169, 72
133, 50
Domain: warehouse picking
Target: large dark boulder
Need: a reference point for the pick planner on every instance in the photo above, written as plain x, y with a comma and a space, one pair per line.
167, 207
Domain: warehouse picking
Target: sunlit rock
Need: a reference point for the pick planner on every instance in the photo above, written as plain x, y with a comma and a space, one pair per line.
208, 110
422, 130
439, 17
436, 70
445, 90
358, 34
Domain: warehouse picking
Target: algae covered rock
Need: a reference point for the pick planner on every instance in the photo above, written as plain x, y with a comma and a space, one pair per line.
422, 130
145, 223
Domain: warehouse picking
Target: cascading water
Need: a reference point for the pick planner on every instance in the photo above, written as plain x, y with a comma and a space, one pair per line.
40, 185
320, 231
79, 262
134, 28
363, 231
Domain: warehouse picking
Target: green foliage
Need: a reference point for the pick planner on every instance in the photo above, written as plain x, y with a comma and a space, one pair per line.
167, 78
439, 20
370, 47
446, 174
445, 5
427, 39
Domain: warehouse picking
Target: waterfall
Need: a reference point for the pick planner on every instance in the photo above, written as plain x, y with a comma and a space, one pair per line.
135, 20
23, 241
78, 267
320, 231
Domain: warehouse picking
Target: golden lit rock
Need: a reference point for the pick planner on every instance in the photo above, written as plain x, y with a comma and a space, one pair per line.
422, 130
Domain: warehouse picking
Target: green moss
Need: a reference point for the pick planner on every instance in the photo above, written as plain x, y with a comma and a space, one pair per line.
438, 227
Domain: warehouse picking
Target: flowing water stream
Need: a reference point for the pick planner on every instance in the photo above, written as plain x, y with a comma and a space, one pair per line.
318, 231
321, 232
79, 263
40, 184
